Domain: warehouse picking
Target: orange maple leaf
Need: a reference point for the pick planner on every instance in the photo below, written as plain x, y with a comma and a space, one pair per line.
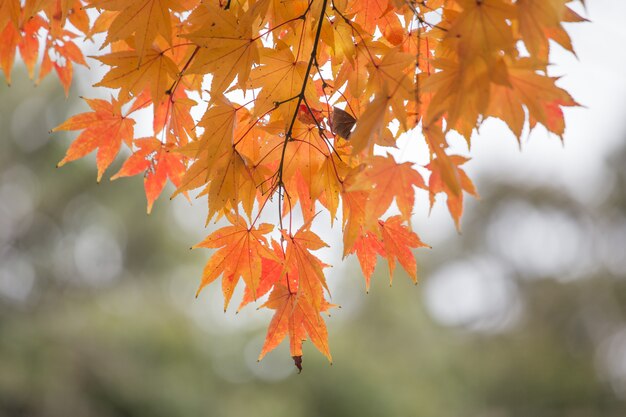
157, 163
386, 180
367, 247
132, 73
228, 50
297, 317
398, 240
273, 271
65, 52
447, 177
143, 20
242, 248
105, 128
309, 267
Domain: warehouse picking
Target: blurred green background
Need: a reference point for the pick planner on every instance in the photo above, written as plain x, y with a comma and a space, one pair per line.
521, 315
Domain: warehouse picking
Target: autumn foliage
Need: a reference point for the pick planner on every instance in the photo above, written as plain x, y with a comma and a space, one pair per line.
276, 110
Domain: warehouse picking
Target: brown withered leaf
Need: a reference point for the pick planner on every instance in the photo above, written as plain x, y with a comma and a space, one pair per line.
342, 122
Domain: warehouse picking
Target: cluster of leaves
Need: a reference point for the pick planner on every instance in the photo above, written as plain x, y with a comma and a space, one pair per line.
298, 101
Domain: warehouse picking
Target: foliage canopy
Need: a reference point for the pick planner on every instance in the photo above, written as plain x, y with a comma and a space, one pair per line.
285, 106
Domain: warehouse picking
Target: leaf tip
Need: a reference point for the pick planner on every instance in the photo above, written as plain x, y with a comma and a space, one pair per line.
297, 361
198, 290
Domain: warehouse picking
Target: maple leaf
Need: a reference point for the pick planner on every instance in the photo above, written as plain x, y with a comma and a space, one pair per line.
367, 247
327, 183
540, 21
9, 39
369, 13
540, 96
29, 44
23, 36
447, 177
105, 128
154, 160
242, 248
460, 92
219, 126
65, 52
280, 78
309, 267
143, 20
227, 47
296, 317
354, 219
353, 71
370, 126
273, 271
482, 27
10, 11
398, 240
173, 115
389, 76
132, 73
231, 184
387, 180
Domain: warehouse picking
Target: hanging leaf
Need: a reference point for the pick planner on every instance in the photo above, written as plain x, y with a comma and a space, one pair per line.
342, 122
